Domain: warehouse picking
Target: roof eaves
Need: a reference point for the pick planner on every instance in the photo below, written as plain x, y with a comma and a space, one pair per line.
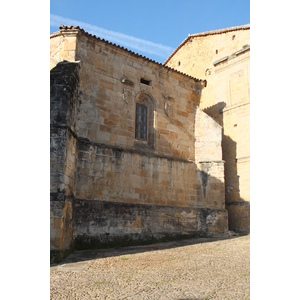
63, 27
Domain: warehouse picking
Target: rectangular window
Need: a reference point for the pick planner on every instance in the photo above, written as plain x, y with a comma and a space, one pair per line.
141, 122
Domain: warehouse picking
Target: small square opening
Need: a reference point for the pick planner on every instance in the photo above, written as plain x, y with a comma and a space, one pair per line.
145, 81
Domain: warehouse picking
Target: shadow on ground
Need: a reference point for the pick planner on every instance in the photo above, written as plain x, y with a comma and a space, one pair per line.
87, 255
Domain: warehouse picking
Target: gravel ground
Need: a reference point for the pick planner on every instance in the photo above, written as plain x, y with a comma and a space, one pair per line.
190, 269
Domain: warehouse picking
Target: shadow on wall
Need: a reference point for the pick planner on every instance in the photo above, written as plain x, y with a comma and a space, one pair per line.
214, 112
238, 208
209, 188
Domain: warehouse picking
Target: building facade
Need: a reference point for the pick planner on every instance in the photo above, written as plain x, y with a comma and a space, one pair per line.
134, 158
222, 57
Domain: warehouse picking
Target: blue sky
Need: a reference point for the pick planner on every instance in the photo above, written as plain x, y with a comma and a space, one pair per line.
153, 28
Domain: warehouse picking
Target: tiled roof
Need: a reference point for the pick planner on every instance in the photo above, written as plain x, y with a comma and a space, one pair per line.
77, 28
211, 32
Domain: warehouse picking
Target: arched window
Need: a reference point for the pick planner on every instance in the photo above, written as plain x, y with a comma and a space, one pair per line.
144, 120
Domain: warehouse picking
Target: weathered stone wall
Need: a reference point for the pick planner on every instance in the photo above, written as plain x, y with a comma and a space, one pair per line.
118, 175
64, 80
208, 138
151, 184
100, 223
105, 171
223, 59
232, 78
107, 111
62, 47
210, 184
209, 163
113, 166
197, 56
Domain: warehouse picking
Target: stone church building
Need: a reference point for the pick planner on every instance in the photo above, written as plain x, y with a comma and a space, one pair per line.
222, 57
142, 151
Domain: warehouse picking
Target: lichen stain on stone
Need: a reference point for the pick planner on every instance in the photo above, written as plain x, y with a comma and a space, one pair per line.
137, 223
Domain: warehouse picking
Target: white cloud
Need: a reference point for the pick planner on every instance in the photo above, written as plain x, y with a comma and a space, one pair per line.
121, 39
